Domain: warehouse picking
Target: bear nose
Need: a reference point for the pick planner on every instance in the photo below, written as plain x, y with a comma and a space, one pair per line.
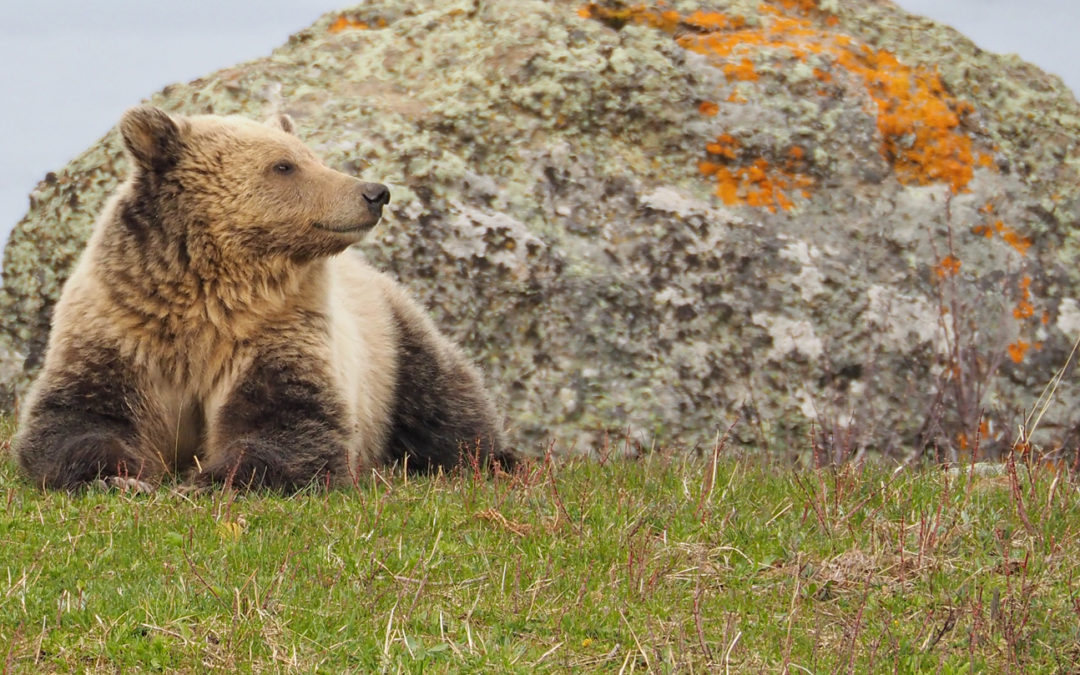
376, 195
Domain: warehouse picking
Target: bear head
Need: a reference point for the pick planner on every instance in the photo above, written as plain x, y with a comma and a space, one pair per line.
236, 190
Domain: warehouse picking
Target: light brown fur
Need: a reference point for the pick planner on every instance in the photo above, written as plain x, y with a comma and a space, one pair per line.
216, 319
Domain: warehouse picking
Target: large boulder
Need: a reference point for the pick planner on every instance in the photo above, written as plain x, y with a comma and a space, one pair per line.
792, 219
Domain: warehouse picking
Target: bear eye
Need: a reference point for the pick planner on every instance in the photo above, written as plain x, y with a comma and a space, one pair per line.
284, 167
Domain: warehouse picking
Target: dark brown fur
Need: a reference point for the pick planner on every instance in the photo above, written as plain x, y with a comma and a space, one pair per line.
440, 410
85, 424
281, 427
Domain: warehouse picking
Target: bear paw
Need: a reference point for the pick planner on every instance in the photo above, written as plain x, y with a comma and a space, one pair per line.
123, 484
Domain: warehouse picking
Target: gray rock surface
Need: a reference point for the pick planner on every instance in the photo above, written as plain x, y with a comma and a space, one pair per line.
833, 221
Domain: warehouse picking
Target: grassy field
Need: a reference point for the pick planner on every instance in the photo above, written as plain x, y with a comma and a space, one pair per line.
666, 563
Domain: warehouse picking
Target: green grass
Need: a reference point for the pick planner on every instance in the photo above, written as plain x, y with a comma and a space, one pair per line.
647, 564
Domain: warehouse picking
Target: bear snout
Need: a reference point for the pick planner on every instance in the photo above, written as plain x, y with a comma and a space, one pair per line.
376, 195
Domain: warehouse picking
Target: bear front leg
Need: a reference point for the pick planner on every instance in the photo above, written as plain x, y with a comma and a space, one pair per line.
282, 427
441, 414
81, 423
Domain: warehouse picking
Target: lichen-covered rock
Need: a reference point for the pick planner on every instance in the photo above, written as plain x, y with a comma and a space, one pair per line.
827, 220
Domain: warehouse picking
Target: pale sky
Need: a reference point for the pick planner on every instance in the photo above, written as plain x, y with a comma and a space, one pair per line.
71, 67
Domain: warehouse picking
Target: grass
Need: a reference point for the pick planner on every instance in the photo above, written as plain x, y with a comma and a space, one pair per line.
668, 563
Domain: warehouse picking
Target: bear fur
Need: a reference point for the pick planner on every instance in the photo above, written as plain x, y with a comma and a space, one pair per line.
216, 325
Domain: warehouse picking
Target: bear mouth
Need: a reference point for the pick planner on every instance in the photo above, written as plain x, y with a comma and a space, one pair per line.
348, 229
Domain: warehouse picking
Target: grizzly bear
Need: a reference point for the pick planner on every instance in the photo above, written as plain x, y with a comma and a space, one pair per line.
217, 328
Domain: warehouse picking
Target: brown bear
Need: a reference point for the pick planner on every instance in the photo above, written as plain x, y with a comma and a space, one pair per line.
217, 325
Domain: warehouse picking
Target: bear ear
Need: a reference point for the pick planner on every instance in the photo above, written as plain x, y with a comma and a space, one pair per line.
151, 137
283, 122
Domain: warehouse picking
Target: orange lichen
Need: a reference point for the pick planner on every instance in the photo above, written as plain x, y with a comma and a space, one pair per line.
1018, 349
919, 121
708, 108
711, 21
1010, 236
799, 5
1024, 309
756, 184
1017, 241
742, 71
345, 23
947, 267
725, 146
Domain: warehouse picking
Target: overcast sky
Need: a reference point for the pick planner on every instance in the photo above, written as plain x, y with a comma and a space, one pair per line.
71, 67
